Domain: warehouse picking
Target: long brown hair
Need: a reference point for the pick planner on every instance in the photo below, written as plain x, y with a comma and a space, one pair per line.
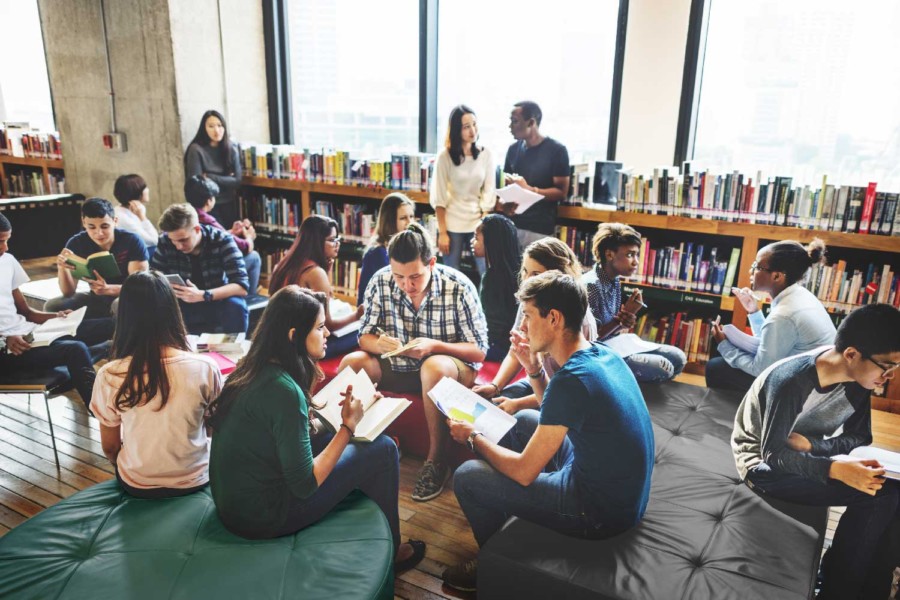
554, 255
308, 245
387, 218
148, 321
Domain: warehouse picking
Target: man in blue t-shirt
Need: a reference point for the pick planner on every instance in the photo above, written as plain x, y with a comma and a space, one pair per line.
98, 217
580, 466
539, 164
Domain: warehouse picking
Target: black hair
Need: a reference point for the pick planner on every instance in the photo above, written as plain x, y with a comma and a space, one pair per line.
387, 217
501, 252
553, 290
872, 329
612, 236
5, 225
308, 245
202, 138
292, 307
143, 339
411, 244
793, 259
129, 187
454, 135
97, 208
530, 110
199, 189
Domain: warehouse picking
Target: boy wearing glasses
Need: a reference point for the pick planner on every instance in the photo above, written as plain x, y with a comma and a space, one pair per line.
784, 436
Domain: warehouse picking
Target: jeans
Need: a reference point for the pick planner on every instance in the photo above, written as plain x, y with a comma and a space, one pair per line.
459, 242
847, 568
519, 389
661, 364
372, 467
69, 352
254, 264
338, 346
719, 374
99, 307
158, 492
488, 498
229, 315
497, 351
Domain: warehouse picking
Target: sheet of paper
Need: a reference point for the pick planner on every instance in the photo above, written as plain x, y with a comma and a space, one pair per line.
627, 344
458, 402
49, 330
516, 193
348, 328
747, 343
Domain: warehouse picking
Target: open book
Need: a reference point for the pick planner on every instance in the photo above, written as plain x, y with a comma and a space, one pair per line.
102, 262
378, 414
51, 330
516, 193
889, 460
410, 344
747, 343
458, 402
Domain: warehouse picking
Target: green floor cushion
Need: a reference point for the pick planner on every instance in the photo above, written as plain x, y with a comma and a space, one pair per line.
102, 543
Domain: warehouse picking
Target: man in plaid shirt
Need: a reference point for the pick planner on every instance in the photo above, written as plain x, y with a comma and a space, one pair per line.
414, 299
212, 267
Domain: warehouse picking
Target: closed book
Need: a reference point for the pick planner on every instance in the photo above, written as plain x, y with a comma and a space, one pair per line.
868, 208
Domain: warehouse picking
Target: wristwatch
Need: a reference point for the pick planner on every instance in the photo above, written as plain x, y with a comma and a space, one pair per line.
471, 439
207, 296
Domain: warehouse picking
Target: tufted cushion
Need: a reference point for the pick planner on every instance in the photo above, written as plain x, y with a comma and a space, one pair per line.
705, 534
102, 543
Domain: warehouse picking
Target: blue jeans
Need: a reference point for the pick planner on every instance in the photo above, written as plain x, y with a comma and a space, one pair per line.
519, 389
661, 364
229, 315
372, 467
338, 346
847, 569
254, 264
459, 242
99, 307
497, 351
69, 352
488, 498
719, 374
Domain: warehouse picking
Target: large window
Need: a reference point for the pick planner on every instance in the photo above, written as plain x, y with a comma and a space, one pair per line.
802, 88
354, 69
24, 86
560, 55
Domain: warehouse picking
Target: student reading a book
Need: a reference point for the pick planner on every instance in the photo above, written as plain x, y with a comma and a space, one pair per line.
212, 268
151, 398
133, 195
396, 212
463, 186
537, 163
309, 263
428, 317
201, 192
101, 234
804, 409
580, 466
497, 244
269, 475
18, 321
796, 323
547, 254
212, 154
616, 248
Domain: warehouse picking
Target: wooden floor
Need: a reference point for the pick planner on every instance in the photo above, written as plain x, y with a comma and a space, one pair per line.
29, 481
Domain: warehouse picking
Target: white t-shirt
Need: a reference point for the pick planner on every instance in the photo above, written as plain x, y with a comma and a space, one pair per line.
143, 229
465, 191
12, 275
165, 447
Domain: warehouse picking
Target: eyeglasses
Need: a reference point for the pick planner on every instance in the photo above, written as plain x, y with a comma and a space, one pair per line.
755, 267
334, 241
886, 369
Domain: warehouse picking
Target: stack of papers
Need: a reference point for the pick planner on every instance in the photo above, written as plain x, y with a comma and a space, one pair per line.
516, 193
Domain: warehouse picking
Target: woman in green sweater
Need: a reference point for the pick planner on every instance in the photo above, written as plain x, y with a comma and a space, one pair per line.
269, 476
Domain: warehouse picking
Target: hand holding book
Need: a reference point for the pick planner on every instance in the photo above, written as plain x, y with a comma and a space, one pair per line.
352, 409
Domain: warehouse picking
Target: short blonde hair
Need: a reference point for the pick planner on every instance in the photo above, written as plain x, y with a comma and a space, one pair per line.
178, 216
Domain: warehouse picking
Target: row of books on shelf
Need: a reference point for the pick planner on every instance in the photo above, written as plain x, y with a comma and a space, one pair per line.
691, 335
404, 171
356, 223
22, 141
736, 197
841, 291
271, 213
32, 184
345, 276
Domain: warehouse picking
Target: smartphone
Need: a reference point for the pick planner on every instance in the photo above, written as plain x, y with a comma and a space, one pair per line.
174, 279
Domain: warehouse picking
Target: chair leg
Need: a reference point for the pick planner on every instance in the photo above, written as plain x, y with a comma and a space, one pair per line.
50, 422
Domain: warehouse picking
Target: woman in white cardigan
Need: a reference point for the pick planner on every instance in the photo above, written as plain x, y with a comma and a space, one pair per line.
463, 186
133, 195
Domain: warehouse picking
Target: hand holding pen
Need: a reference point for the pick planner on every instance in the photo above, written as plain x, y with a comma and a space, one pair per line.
385, 342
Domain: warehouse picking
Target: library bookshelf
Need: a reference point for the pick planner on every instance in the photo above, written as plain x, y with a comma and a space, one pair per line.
49, 170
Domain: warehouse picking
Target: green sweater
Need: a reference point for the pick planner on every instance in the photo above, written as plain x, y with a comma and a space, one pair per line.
261, 459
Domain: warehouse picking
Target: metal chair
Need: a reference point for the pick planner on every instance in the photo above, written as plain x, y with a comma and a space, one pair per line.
49, 382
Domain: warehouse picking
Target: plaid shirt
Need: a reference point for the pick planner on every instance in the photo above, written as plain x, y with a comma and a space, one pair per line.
604, 294
450, 313
220, 260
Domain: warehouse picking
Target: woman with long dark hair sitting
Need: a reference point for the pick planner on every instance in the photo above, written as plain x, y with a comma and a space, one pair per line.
269, 476
497, 242
151, 398
397, 211
309, 263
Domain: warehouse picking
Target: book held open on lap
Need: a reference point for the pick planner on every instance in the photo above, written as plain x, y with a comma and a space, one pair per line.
102, 262
52, 329
458, 402
378, 412
889, 460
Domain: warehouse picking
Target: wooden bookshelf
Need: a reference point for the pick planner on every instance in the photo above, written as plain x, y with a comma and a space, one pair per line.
44, 164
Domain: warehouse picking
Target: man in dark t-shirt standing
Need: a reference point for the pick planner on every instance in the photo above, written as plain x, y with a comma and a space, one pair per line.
539, 164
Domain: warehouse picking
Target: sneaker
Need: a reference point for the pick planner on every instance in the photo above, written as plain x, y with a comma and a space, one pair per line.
431, 481
463, 576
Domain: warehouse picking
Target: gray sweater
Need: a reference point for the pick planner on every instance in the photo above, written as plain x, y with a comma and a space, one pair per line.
201, 159
787, 397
